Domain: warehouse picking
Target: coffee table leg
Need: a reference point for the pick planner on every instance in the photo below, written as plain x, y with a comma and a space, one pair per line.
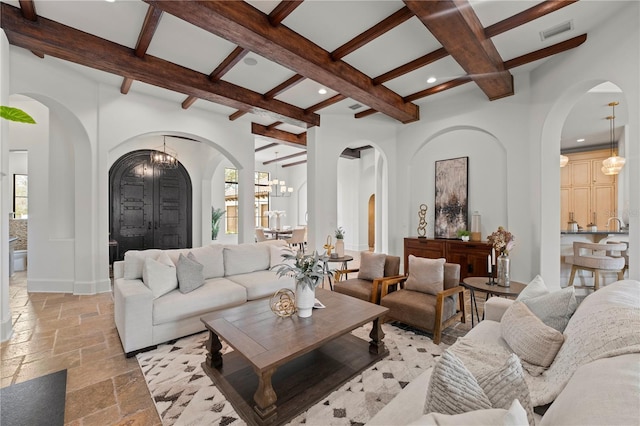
265, 397
376, 345
214, 356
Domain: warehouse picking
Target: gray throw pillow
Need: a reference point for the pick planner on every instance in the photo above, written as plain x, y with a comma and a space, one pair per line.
425, 275
371, 265
189, 271
554, 309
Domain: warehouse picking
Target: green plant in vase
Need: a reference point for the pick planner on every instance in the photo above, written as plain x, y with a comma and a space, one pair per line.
216, 215
464, 235
340, 242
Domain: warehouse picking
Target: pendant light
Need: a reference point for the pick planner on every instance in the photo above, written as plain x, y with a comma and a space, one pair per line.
164, 158
277, 188
615, 163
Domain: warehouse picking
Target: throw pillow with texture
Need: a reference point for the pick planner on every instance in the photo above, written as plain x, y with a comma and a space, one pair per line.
554, 309
506, 383
535, 288
189, 271
514, 416
371, 265
159, 275
453, 389
531, 339
425, 275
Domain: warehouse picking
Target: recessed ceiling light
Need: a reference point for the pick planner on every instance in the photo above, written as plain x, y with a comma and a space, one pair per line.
110, 1
322, 91
580, 140
431, 80
250, 61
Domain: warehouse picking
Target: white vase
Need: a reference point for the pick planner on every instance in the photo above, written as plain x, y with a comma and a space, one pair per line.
278, 222
340, 247
305, 299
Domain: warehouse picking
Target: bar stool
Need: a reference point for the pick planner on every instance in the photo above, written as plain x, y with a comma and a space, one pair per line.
597, 258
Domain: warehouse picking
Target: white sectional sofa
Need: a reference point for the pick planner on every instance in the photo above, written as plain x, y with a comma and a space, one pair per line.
593, 380
233, 274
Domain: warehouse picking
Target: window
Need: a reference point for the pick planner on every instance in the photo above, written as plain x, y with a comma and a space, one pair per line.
261, 203
20, 196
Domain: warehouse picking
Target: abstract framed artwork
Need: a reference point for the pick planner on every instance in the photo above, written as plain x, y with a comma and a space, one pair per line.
452, 202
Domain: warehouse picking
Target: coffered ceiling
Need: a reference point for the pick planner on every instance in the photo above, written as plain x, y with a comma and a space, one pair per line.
267, 61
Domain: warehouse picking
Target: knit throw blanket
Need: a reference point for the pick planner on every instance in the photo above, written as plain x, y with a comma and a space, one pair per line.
606, 324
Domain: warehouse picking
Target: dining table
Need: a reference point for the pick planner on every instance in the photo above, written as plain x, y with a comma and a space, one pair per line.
279, 233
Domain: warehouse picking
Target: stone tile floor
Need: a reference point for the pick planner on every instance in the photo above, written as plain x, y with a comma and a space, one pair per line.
54, 331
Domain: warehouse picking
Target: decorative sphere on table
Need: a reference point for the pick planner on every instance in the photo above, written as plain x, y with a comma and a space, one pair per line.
422, 225
283, 303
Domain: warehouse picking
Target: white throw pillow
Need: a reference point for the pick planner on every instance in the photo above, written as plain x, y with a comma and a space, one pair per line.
515, 416
134, 262
189, 272
532, 340
275, 255
535, 288
159, 275
425, 275
371, 265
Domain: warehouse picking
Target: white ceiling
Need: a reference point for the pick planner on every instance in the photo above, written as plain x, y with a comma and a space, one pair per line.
330, 24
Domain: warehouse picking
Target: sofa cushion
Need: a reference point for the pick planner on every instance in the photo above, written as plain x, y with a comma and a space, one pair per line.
425, 275
504, 384
189, 272
134, 262
602, 392
262, 283
417, 309
532, 340
356, 287
216, 293
453, 389
514, 416
371, 265
159, 275
209, 256
245, 258
555, 308
275, 255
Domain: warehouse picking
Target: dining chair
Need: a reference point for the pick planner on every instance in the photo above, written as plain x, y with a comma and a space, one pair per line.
296, 238
597, 258
260, 236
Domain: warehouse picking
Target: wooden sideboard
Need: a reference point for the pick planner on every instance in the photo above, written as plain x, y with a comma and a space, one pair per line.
471, 256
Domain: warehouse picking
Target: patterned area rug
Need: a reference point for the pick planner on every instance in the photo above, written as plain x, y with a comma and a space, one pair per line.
185, 395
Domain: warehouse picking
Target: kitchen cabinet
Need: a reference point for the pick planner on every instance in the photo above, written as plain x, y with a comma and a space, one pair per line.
585, 190
471, 256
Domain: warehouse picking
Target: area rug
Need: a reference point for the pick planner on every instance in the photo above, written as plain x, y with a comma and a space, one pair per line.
185, 395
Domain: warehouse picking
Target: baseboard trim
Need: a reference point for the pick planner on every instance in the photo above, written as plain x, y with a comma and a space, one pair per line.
49, 286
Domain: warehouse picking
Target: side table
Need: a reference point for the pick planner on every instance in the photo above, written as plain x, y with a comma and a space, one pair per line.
474, 284
344, 260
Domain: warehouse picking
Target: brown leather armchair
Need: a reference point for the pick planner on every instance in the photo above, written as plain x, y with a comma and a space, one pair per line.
425, 311
368, 290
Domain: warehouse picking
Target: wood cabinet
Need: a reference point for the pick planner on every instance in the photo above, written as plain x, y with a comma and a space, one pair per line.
585, 190
471, 256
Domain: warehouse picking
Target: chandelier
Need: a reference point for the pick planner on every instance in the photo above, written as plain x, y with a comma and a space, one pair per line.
277, 187
613, 164
163, 157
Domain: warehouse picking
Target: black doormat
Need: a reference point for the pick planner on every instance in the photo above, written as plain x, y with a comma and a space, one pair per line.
38, 401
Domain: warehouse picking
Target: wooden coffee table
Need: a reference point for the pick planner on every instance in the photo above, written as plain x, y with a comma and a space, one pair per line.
281, 366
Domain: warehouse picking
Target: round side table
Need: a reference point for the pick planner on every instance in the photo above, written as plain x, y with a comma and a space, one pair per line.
474, 284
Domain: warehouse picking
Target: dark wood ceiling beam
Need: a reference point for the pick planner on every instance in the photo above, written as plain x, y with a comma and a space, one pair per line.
76, 46
225, 66
286, 157
323, 104
246, 26
267, 146
28, 10
294, 164
274, 125
281, 135
412, 66
440, 87
287, 84
149, 27
526, 16
546, 52
456, 26
365, 113
282, 10
372, 33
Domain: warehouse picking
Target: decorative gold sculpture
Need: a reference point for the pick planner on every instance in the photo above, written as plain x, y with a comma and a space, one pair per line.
328, 247
422, 225
283, 303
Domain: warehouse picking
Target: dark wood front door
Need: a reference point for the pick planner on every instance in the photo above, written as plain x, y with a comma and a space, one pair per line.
149, 207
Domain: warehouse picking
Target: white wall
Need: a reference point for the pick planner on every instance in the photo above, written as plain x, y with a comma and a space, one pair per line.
18, 165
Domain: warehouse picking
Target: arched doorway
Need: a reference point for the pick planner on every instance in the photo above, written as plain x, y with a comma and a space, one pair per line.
149, 207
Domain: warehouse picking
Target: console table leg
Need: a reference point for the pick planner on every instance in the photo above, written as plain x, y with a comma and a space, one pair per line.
376, 345
214, 356
265, 397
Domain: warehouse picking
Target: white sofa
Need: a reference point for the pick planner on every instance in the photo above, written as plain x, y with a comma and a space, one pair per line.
602, 386
233, 275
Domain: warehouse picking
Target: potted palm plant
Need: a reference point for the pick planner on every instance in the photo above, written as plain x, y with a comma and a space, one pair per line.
216, 215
